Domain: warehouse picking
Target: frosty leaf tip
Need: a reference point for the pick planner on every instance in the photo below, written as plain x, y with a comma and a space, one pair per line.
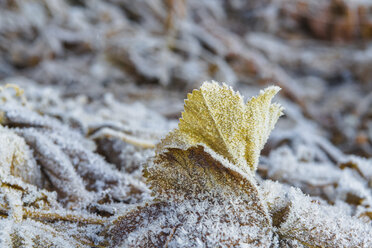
217, 117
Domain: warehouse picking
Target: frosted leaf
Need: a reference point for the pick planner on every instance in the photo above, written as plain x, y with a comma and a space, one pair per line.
311, 223
24, 207
57, 166
195, 173
19, 116
19, 173
16, 158
39, 154
75, 172
348, 181
30, 233
191, 223
197, 159
187, 172
206, 199
217, 117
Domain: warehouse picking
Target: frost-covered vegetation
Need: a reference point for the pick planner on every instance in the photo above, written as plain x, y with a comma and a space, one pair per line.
93, 152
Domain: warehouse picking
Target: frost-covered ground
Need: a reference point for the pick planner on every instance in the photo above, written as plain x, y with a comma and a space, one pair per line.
104, 81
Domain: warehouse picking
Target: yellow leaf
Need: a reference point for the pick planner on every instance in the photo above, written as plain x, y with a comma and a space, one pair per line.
203, 176
216, 116
216, 146
214, 151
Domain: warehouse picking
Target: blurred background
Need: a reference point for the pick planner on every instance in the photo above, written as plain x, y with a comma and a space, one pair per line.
150, 53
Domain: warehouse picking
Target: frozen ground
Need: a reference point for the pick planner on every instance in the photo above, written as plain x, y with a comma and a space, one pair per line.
104, 81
